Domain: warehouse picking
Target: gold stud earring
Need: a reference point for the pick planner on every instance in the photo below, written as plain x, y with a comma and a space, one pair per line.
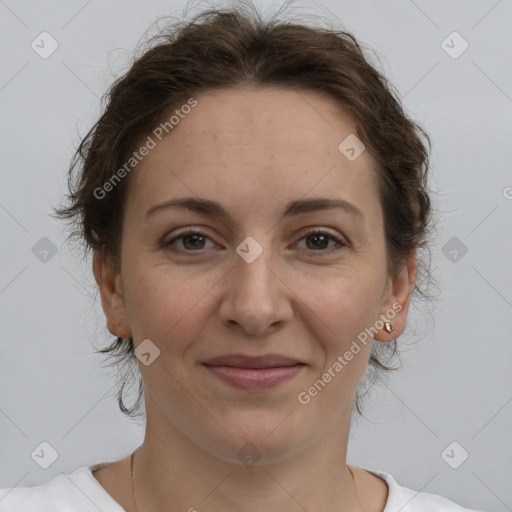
388, 327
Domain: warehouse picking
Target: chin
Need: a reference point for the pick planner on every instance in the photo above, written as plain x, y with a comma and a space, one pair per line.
257, 443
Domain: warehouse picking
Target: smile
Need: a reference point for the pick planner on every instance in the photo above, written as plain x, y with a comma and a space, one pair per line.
255, 378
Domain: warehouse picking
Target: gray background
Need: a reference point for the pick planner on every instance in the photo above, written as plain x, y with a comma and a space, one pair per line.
456, 381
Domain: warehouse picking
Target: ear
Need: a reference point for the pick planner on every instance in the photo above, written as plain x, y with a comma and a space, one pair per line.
396, 300
108, 278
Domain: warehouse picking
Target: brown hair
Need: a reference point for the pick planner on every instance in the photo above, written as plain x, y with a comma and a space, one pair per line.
235, 48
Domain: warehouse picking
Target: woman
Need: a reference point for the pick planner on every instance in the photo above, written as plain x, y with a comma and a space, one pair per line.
255, 198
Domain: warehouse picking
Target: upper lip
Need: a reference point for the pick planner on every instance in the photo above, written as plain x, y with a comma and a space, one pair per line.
245, 361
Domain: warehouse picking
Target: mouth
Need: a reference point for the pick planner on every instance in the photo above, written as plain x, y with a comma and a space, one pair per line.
253, 362
255, 378
254, 372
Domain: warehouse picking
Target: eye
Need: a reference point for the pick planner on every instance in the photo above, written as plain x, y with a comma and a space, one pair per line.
320, 241
193, 241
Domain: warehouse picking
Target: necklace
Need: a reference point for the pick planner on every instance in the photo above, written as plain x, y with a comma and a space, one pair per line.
137, 510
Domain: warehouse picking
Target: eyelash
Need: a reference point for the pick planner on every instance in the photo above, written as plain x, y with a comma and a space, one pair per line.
323, 252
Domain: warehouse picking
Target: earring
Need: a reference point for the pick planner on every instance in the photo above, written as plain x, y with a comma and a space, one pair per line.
388, 327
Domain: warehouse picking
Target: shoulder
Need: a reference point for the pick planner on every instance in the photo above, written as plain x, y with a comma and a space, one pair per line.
68, 492
404, 499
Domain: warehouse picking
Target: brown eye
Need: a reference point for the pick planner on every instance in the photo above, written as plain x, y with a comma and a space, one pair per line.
318, 241
192, 241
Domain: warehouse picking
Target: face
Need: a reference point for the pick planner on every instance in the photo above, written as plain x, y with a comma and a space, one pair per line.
253, 279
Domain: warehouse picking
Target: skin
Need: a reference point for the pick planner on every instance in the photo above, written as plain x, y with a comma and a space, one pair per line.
253, 151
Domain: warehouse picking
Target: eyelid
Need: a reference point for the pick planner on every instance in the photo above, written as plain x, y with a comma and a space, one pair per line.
189, 231
340, 240
327, 231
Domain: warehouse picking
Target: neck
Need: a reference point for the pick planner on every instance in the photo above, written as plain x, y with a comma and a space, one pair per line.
170, 470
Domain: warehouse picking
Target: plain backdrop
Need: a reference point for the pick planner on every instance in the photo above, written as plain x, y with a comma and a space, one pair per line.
453, 398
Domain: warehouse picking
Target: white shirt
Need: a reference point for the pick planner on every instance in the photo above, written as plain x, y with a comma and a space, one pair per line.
79, 491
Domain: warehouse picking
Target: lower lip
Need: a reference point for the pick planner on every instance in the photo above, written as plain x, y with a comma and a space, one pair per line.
255, 379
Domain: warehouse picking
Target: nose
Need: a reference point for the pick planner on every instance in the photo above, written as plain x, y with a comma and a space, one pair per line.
256, 298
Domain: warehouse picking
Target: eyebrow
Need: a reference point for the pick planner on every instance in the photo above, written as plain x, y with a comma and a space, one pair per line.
297, 207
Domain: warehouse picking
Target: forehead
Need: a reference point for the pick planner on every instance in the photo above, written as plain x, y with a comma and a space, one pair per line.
268, 143
279, 117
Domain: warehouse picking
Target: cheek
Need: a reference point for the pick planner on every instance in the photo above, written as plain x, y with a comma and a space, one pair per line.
345, 304
348, 309
163, 302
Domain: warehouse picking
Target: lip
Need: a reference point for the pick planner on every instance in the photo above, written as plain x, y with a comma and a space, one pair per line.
254, 372
252, 362
255, 378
